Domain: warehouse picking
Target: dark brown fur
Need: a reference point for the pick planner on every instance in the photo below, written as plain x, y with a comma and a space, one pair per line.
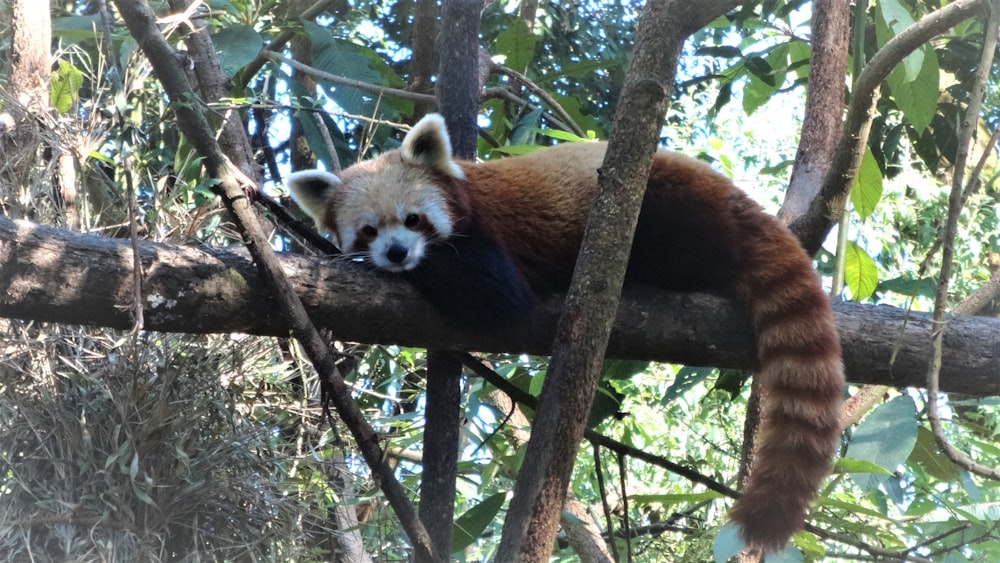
696, 231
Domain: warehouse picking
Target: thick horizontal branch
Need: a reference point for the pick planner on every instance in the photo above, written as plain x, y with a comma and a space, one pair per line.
54, 275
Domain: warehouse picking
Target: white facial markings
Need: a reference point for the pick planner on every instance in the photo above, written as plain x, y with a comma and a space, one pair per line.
437, 215
392, 213
397, 248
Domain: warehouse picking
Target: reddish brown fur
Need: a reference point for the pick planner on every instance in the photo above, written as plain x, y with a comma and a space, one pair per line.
696, 232
537, 206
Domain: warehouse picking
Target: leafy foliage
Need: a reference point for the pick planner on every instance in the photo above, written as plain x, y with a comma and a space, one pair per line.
165, 447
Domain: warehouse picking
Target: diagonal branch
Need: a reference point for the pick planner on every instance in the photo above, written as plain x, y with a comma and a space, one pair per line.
344, 81
955, 204
141, 22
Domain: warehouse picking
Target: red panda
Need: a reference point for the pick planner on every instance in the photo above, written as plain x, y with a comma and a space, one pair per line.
483, 241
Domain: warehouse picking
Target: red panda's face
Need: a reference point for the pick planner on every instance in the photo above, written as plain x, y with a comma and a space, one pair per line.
390, 209
390, 212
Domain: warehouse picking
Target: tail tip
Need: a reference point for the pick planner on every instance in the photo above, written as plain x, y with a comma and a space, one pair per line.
768, 530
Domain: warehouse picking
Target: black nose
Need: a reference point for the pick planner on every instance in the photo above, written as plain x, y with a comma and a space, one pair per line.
396, 253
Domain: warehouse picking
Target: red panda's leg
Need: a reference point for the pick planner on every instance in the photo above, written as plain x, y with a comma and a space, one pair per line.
472, 280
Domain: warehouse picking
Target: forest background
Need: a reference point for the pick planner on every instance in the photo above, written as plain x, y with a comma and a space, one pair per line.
167, 415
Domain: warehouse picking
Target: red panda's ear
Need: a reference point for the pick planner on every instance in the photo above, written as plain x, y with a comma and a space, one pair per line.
428, 145
315, 191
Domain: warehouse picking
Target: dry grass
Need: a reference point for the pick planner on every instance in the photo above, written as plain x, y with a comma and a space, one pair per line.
129, 449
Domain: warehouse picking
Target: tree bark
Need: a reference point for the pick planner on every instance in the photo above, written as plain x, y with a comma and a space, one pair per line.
54, 275
30, 59
458, 101
593, 297
213, 86
289, 311
822, 123
824, 211
423, 62
28, 86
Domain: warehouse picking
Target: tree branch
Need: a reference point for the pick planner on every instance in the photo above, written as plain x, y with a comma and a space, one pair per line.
821, 124
458, 94
344, 81
54, 275
288, 310
825, 210
955, 204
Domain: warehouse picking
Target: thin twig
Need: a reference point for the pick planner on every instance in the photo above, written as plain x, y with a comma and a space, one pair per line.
879, 554
626, 522
504, 93
524, 398
232, 186
278, 42
344, 81
542, 95
609, 522
133, 234
331, 149
955, 201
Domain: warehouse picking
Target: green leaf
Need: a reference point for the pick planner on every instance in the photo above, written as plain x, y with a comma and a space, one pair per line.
910, 287
523, 132
142, 495
849, 465
731, 381
622, 369
756, 93
762, 79
892, 19
237, 46
798, 57
917, 98
536, 382
778, 60
914, 83
929, 456
72, 29
860, 272
576, 70
885, 437
469, 526
867, 189
607, 403
686, 378
582, 119
562, 135
517, 149
517, 44
719, 51
759, 67
810, 545
343, 58
851, 507
64, 87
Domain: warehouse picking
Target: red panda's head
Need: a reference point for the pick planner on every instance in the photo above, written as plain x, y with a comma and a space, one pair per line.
390, 208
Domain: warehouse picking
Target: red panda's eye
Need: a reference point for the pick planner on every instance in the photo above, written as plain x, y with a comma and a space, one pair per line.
369, 231
412, 220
